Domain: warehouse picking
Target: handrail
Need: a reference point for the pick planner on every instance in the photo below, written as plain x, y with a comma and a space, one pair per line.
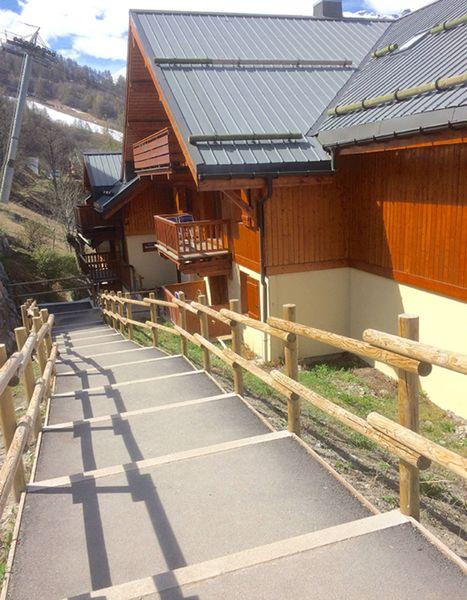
455, 361
23, 431
351, 345
351, 420
442, 456
16, 434
259, 325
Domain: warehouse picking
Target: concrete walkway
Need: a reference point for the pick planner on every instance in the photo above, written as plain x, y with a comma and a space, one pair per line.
153, 482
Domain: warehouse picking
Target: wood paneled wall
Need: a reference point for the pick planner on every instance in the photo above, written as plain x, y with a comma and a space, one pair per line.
151, 199
305, 228
400, 214
406, 212
244, 240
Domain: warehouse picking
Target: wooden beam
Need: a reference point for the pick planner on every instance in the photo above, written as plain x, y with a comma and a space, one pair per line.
438, 454
455, 361
291, 370
408, 387
236, 183
350, 345
355, 422
237, 346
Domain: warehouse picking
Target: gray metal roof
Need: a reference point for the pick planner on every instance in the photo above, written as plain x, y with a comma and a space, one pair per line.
103, 168
108, 199
221, 35
432, 57
259, 98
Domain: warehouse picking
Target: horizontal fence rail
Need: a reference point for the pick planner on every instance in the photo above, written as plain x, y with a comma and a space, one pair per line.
404, 353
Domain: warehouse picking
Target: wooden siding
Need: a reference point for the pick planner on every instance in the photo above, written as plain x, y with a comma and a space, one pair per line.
400, 214
244, 240
144, 111
305, 229
407, 216
150, 200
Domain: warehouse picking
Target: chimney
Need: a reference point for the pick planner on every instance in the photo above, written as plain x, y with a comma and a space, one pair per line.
328, 9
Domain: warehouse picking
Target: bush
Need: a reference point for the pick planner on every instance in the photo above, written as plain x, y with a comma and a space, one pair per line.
51, 264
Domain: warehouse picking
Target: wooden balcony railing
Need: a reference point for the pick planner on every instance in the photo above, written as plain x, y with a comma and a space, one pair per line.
190, 240
157, 152
99, 266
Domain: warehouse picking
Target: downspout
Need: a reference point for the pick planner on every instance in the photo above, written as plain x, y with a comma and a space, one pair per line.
262, 258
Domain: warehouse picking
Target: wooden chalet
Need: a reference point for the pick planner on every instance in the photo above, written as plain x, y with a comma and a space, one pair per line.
312, 160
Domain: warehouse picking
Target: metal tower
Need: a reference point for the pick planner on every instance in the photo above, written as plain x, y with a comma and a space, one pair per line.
31, 49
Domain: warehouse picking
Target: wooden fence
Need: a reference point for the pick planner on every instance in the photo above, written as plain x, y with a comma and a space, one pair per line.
34, 342
404, 353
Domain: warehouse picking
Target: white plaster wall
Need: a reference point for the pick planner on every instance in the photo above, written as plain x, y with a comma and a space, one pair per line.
375, 302
321, 298
157, 271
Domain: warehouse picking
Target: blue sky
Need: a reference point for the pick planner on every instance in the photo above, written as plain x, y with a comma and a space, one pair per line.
94, 32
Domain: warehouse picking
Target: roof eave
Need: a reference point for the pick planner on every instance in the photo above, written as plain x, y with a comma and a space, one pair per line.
379, 131
264, 170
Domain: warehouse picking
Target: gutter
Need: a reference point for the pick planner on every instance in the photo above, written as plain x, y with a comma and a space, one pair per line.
262, 255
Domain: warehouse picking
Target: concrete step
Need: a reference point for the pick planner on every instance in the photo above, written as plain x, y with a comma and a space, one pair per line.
125, 397
69, 448
83, 337
88, 327
139, 520
131, 371
384, 556
69, 362
90, 347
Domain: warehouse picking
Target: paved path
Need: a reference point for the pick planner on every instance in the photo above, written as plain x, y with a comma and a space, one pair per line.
153, 482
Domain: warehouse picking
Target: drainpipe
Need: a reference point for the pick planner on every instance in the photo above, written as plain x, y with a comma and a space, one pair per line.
262, 256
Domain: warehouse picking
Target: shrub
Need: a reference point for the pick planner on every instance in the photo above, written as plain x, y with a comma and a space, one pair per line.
51, 264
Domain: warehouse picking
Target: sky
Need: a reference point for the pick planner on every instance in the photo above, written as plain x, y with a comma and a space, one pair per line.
94, 32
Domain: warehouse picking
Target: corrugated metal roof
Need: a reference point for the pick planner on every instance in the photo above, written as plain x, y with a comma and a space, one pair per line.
220, 99
432, 57
220, 35
103, 168
245, 100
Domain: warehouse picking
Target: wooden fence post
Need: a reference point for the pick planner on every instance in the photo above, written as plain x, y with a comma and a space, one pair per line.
8, 426
28, 371
48, 337
113, 306
121, 327
237, 347
291, 370
40, 348
182, 313
153, 311
408, 387
129, 314
25, 317
204, 330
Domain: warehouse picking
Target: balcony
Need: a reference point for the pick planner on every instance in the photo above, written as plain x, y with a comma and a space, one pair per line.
158, 153
195, 246
91, 225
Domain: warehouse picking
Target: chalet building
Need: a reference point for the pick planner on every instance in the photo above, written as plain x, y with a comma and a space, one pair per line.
314, 160
115, 229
